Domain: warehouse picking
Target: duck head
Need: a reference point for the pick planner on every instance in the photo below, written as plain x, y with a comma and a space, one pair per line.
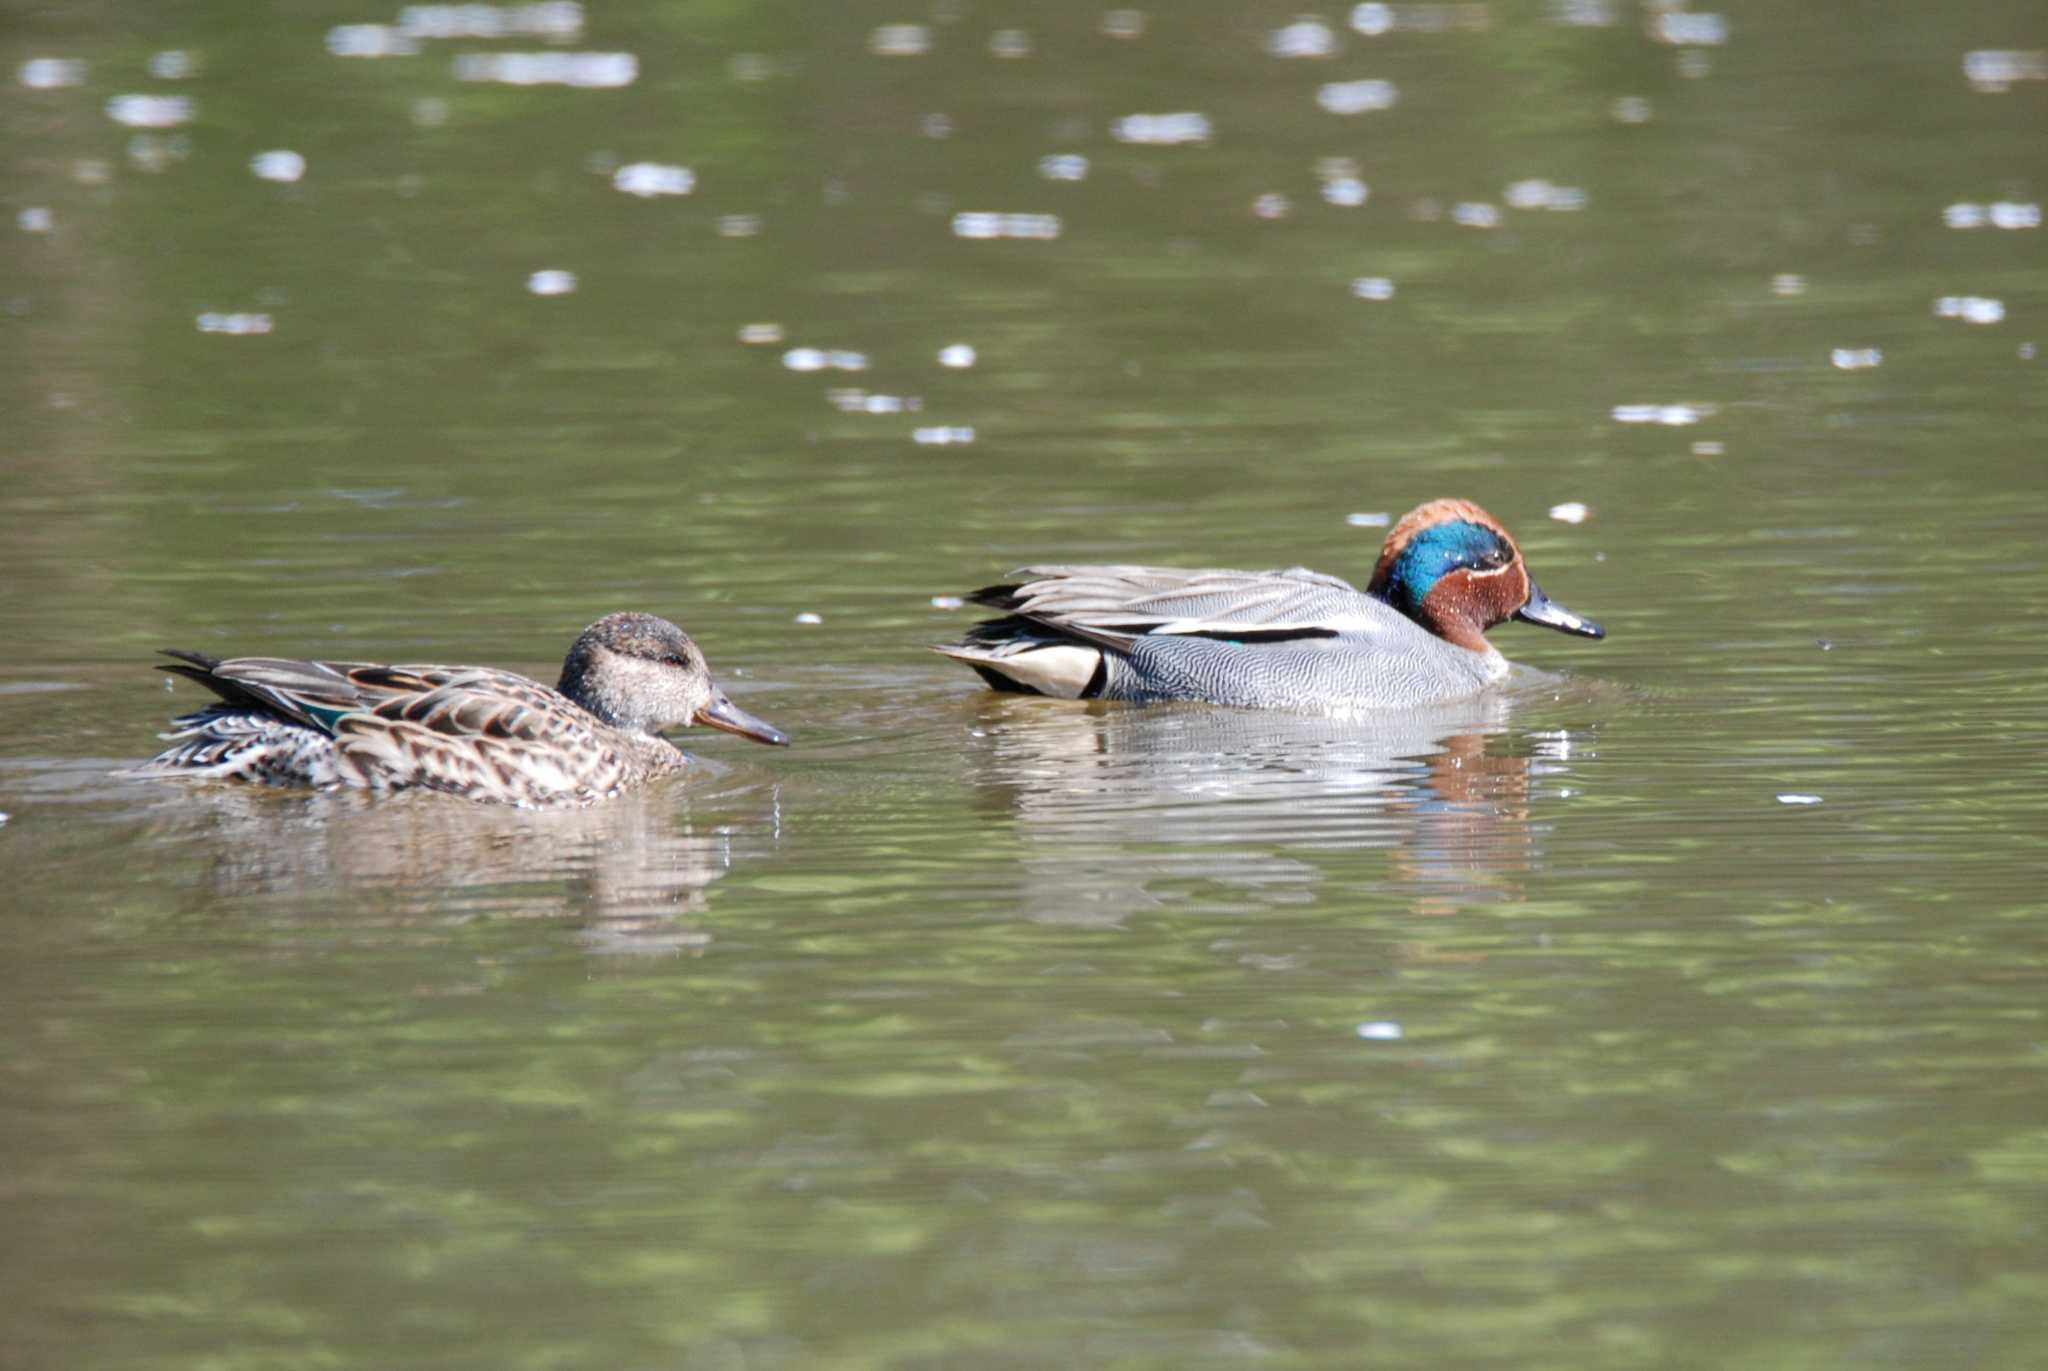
643, 674
1451, 567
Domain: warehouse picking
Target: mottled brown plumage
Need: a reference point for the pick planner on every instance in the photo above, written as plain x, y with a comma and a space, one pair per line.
474, 731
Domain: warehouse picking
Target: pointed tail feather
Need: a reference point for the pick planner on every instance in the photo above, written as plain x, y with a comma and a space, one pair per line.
303, 692
200, 668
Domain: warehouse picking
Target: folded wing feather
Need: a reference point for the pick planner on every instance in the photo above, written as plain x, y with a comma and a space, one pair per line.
1116, 604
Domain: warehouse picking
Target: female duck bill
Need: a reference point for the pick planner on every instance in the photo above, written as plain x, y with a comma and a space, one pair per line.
1540, 609
723, 713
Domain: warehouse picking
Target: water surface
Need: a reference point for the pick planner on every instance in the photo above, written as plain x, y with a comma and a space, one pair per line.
1683, 1007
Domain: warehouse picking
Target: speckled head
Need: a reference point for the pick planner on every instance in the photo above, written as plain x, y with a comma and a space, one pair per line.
1453, 568
643, 674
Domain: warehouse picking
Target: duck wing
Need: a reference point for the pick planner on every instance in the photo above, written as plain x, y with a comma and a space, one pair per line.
303, 692
1116, 605
319, 693
497, 735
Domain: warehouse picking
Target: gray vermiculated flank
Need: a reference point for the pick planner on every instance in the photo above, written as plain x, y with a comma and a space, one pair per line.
1352, 671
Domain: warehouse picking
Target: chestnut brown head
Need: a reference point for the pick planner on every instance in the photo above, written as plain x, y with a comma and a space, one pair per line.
1453, 568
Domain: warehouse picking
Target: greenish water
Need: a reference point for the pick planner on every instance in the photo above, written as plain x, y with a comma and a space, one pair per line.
977, 1031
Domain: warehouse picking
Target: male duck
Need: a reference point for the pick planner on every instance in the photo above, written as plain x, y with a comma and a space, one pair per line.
1293, 639
470, 730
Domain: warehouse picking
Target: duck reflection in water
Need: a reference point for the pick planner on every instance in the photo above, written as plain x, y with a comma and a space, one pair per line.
1128, 808
633, 875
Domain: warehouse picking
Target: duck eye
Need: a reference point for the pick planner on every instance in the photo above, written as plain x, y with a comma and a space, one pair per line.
1491, 555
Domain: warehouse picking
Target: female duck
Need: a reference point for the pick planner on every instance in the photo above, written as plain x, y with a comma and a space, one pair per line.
470, 730
1293, 639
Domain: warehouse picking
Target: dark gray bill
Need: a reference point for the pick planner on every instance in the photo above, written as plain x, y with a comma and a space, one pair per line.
723, 713
1543, 610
